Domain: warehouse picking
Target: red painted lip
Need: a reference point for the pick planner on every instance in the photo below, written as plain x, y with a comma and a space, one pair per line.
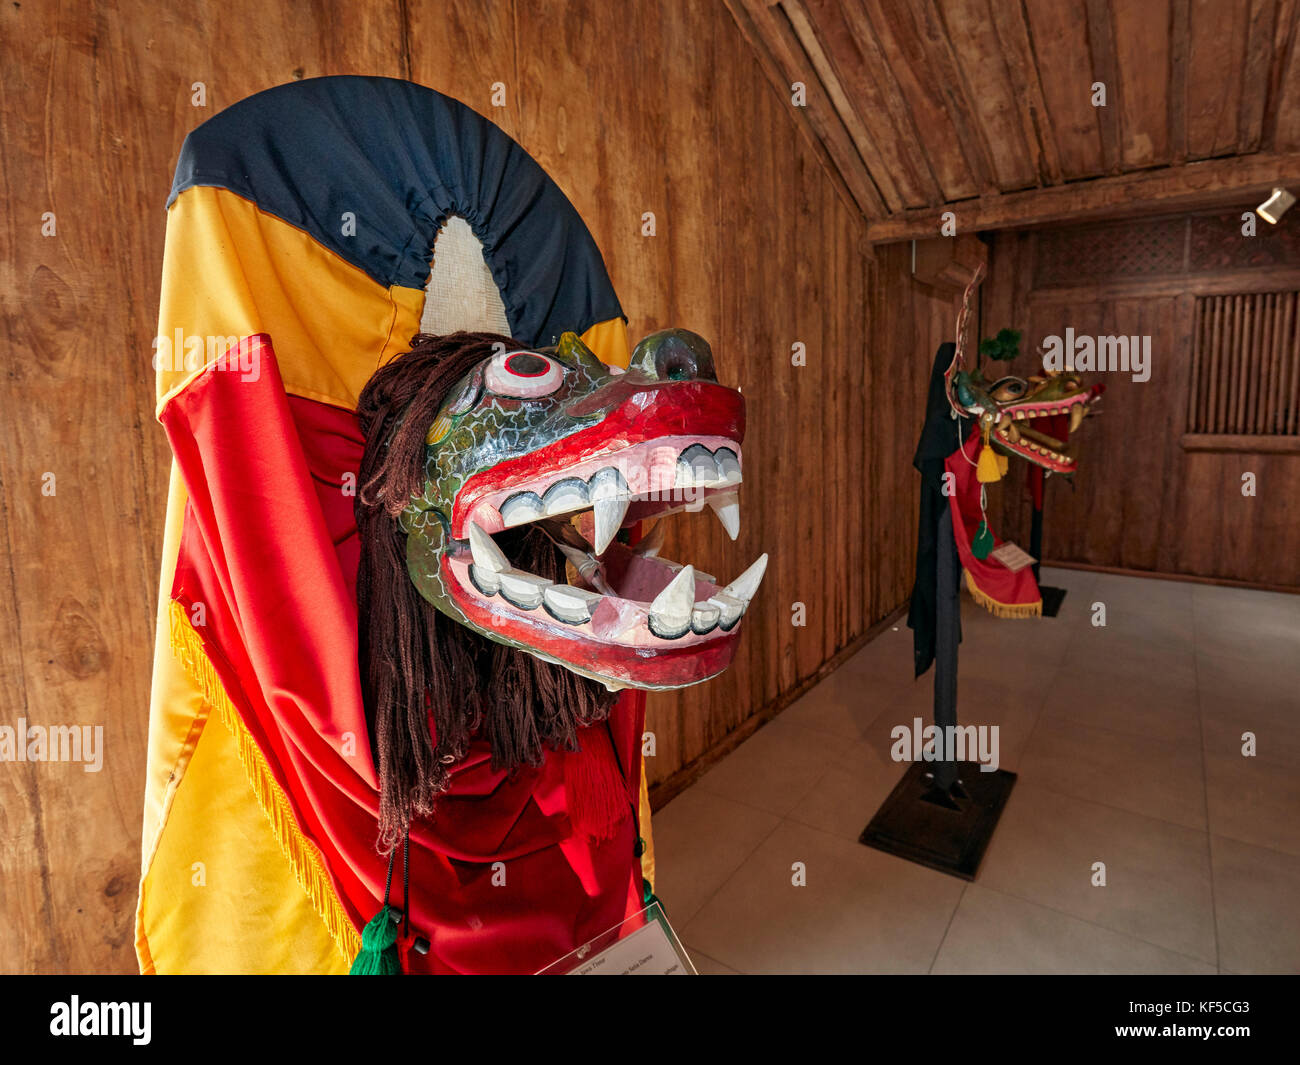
638, 411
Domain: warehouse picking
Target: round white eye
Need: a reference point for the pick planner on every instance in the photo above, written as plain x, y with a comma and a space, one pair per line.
523, 374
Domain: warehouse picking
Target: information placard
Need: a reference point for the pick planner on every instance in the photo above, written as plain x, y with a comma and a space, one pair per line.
643, 945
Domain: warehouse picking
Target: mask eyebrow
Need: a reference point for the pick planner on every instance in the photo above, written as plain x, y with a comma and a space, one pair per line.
565, 358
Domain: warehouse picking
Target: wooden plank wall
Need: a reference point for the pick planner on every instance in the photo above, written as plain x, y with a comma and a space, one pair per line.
1140, 501
633, 107
97, 102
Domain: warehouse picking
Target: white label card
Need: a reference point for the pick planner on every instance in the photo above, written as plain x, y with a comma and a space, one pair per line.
646, 952
1012, 556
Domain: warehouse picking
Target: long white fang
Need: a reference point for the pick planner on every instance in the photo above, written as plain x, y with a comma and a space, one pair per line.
486, 553
677, 600
608, 515
727, 508
744, 586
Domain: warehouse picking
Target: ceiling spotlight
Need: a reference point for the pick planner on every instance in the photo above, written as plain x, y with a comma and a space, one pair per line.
1276, 205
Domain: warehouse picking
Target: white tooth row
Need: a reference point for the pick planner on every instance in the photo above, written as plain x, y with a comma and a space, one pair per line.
675, 612
671, 616
564, 497
698, 467
1024, 413
606, 492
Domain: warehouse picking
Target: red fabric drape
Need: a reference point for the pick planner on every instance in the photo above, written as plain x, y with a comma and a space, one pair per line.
996, 587
269, 549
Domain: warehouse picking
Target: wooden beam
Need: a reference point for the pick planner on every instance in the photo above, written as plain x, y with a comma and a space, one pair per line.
951, 87
1143, 45
906, 53
1219, 283
865, 144
1255, 74
784, 62
986, 77
1179, 34
1284, 34
1105, 69
1022, 65
1205, 184
874, 95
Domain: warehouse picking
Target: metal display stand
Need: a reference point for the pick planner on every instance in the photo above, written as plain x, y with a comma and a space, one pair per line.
942, 813
1052, 596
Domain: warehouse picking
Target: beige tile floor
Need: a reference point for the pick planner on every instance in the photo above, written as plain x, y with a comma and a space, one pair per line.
1127, 740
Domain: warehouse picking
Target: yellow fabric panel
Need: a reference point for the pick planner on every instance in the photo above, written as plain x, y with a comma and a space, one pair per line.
608, 341
255, 272
250, 915
647, 834
230, 270
198, 796
176, 705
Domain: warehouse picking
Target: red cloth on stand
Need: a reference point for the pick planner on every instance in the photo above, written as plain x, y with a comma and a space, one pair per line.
991, 584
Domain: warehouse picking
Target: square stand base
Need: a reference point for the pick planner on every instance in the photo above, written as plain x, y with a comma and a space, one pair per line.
1052, 598
912, 826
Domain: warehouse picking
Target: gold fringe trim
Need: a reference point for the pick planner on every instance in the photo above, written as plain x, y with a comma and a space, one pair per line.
303, 855
1003, 610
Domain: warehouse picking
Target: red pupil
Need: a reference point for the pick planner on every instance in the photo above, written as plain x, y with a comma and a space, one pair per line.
522, 364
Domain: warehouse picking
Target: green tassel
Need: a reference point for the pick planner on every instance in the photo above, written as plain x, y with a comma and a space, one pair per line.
378, 954
983, 543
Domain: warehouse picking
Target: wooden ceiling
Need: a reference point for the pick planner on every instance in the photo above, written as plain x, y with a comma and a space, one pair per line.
984, 107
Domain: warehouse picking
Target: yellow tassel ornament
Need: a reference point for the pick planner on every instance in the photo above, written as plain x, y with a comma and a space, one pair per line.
989, 468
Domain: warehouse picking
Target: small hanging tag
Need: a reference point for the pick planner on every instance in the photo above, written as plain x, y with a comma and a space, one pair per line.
1013, 556
983, 542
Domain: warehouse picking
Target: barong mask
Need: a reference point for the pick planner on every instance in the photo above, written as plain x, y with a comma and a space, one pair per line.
1013, 409
508, 480
1030, 418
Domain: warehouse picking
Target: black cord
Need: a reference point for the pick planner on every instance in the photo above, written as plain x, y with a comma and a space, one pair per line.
388, 884
406, 882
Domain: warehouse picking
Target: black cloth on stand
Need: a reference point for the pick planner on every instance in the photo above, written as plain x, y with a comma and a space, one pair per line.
940, 436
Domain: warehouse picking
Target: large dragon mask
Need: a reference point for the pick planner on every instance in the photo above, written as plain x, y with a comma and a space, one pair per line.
543, 437
499, 590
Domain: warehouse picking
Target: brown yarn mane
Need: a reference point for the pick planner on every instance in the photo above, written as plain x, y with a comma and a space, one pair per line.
431, 685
